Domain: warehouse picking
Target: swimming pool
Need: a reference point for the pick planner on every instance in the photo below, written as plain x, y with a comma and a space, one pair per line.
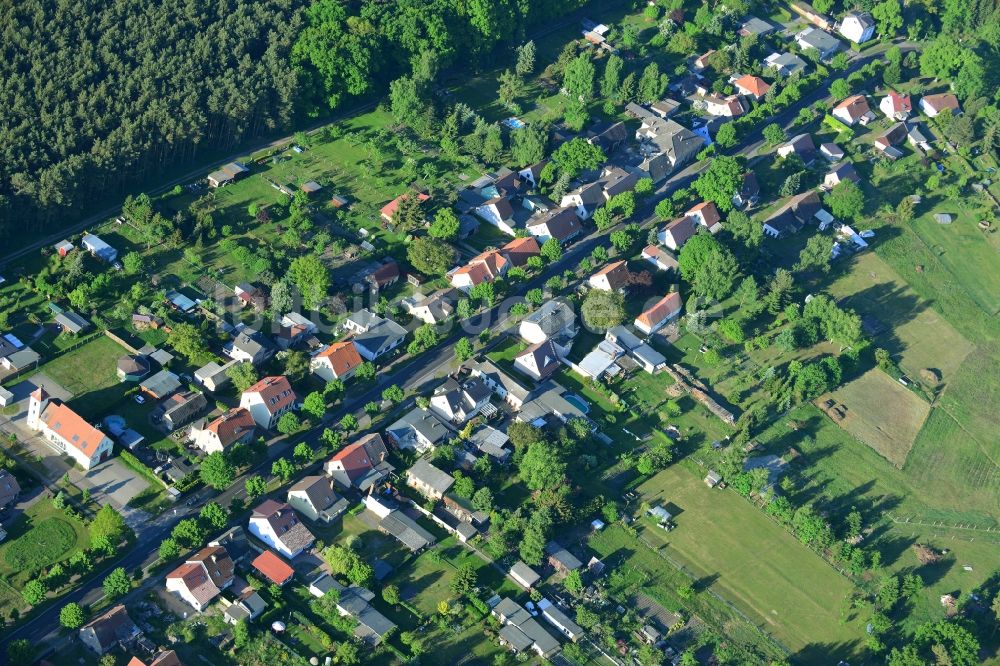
576, 400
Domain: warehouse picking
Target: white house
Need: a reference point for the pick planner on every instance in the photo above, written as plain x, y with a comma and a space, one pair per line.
932, 105
457, 403
559, 223
555, 321
66, 431
268, 400
858, 27
315, 498
896, 106
854, 109
234, 427
726, 107
338, 361
676, 233
202, 577
707, 215
659, 257
585, 199
613, 277
277, 525
661, 312
539, 361
484, 267
498, 212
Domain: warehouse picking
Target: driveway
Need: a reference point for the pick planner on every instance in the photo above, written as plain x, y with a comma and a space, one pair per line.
116, 481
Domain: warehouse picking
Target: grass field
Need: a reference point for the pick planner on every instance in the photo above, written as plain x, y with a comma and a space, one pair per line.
882, 413
738, 552
917, 336
89, 373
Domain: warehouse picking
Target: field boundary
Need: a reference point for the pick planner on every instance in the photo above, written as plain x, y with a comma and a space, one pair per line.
969, 527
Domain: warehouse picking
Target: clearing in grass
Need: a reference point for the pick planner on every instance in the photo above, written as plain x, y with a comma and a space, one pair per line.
742, 555
881, 413
90, 374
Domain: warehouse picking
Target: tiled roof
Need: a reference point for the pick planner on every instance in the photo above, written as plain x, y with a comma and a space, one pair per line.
217, 562
708, 211
616, 273
72, 428
389, 209
520, 249
275, 392
273, 567
232, 425
856, 106
318, 489
753, 84
342, 356
942, 101
197, 581
666, 307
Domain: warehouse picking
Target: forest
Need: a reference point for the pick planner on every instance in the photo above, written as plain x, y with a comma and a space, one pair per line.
100, 96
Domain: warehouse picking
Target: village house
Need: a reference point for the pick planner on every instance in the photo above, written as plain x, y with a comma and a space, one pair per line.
794, 214
338, 361
831, 151
754, 26
202, 577
665, 146
166, 658
493, 443
725, 107
371, 626
561, 559
820, 40
853, 110
659, 258
110, 630
428, 480
386, 275
432, 309
842, 172
70, 322
242, 603
613, 277
501, 383
932, 105
214, 377
559, 223
659, 314
498, 212
785, 64
236, 426
273, 568
388, 211
277, 525
560, 620
268, 400
374, 336
250, 295
458, 402
249, 346
418, 429
228, 173
800, 145
752, 86
896, 106
749, 192
519, 250
648, 358
315, 498
539, 361
522, 632
584, 199
707, 215
484, 267
293, 328
549, 404
361, 464
394, 522
9, 488
554, 320
892, 137
66, 431
533, 172
524, 575
607, 136
859, 27
160, 385
131, 368
678, 232
98, 248
180, 409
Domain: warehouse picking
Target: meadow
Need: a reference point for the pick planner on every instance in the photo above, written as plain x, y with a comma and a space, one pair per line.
90, 374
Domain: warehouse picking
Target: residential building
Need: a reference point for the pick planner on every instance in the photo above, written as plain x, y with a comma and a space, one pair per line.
99, 248
749, 192
539, 361
832, 152
501, 383
613, 277
277, 525
919, 136
519, 250
250, 295
676, 233
315, 498
160, 385
752, 86
70, 322
660, 258
548, 402
814, 38
725, 107
431, 309
131, 368
533, 172
236, 426
213, 376
200, 579
418, 429
809, 13
608, 136
394, 522
384, 276
896, 106
793, 214
660, 313
584, 199
648, 358
293, 328
249, 346
361, 464
110, 630
559, 223
554, 320
754, 26
932, 105
842, 172
853, 110
66, 431
372, 627
23, 359
9, 488
166, 658
859, 27
522, 632
493, 443
428, 480
389, 210
245, 605
665, 146
892, 137
235, 541
561, 559
801, 145
615, 180
707, 215
524, 575
338, 361
228, 173
458, 402
785, 64
601, 361
498, 212
560, 620
273, 568
485, 267
378, 338
268, 400
181, 408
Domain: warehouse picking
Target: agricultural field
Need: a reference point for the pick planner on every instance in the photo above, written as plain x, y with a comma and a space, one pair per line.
710, 540
881, 413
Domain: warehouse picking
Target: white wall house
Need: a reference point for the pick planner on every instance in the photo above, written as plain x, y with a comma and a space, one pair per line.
268, 400
66, 431
859, 27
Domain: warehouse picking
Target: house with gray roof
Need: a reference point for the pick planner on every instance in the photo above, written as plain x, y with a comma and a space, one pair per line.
560, 558
500, 382
554, 320
524, 575
315, 498
71, 322
754, 26
785, 64
428, 480
549, 402
665, 146
521, 631
249, 346
651, 360
492, 442
396, 523
213, 376
458, 402
418, 429
820, 40
160, 385
355, 601
379, 338
558, 619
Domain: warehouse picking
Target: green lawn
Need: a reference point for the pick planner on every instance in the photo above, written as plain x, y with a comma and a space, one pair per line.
89, 373
732, 547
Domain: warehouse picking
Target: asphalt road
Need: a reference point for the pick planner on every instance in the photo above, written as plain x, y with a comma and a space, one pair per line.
414, 375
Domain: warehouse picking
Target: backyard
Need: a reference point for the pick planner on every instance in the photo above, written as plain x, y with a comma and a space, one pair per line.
90, 374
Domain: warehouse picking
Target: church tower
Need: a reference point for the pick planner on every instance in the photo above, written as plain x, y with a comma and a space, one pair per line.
36, 405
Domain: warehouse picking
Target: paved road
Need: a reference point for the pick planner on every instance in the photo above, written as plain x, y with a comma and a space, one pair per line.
415, 375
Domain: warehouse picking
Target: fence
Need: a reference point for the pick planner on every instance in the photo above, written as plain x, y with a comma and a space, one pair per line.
910, 520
